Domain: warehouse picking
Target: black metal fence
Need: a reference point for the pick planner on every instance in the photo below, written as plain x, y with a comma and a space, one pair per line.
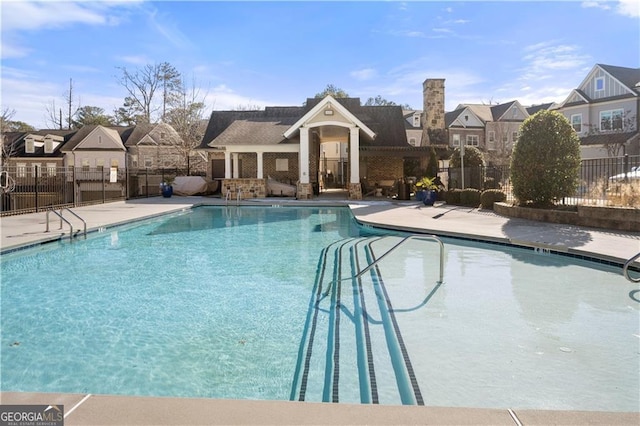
603, 181
33, 189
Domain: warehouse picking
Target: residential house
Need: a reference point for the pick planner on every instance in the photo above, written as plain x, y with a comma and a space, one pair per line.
154, 146
493, 129
603, 110
41, 149
285, 143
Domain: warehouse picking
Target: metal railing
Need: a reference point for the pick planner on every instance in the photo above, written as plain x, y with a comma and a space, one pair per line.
401, 242
625, 269
71, 235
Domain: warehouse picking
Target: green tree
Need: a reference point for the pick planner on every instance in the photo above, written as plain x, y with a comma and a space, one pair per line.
472, 157
432, 165
91, 115
332, 90
380, 101
546, 160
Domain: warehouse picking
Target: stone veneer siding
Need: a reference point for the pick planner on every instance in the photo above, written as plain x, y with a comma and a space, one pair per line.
616, 218
250, 188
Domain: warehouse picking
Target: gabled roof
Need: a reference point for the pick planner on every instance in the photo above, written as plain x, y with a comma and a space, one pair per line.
268, 126
347, 111
629, 77
151, 134
85, 131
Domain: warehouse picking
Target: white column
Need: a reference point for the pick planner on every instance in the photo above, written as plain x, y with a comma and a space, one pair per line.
227, 165
354, 151
304, 154
236, 171
260, 165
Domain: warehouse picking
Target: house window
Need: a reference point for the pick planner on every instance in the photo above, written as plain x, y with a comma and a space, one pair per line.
576, 122
29, 146
48, 146
611, 120
492, 136
51, 169
282, 164
21, 170
416, 120
148, 162
514, 137
35, 169
412, 141
491, 140
599, 84
456, 140
100, 163
85, 165
473, 140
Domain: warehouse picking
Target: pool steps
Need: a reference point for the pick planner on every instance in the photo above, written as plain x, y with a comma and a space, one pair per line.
351, 338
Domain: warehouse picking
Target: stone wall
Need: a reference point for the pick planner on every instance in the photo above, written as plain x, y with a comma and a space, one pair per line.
250, 188
614, 218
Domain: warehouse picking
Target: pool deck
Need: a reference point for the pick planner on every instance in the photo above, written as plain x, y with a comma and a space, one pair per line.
612, 246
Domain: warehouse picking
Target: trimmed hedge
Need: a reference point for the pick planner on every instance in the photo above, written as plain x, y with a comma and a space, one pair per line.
452, 196
490, 196
470, 197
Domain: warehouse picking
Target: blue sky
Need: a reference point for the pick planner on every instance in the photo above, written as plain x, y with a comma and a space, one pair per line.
280, 53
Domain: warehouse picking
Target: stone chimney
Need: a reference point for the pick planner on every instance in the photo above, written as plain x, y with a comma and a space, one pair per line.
433, 125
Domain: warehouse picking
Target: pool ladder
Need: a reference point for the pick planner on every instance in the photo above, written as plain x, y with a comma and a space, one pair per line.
625, 269
71, 235
238, 196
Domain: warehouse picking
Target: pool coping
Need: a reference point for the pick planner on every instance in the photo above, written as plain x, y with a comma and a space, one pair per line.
112, 409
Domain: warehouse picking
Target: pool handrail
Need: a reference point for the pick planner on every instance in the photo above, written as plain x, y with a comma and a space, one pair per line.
65, 220
625, 269
405, 239
61, 219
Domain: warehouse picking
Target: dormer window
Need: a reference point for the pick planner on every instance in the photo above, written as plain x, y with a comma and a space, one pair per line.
29, 146
48, 146
416, 120
599, 83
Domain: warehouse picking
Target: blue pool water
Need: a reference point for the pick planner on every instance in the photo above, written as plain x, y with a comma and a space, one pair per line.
236, 302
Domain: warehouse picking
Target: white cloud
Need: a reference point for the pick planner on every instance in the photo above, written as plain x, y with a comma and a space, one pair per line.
135, 59
543, 60
364, 74
595, 4
629, 8
223, 97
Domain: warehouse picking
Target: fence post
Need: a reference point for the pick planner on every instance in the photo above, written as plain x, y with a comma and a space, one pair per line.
126, 183
626, 166
146, 181
74, 185
103, 185
35, 172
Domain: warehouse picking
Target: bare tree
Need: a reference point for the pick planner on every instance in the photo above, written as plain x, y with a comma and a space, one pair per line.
186, 117
53, 114
142, 86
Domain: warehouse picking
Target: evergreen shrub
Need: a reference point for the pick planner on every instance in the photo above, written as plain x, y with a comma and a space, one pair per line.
490, 196
470, 197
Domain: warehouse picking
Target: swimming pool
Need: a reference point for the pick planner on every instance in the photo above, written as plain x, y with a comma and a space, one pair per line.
246, 302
